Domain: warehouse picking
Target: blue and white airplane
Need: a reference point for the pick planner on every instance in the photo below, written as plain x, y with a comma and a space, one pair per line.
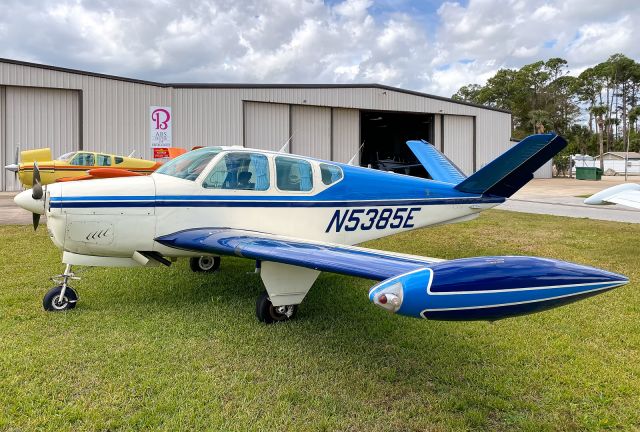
297, 216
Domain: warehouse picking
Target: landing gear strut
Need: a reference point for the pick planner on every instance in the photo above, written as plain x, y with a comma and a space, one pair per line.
204, 264
61, 297
267, 313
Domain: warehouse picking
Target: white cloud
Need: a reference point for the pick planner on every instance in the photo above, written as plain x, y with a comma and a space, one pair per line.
313, 41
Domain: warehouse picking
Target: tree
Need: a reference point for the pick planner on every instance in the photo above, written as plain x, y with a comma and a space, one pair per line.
598, 112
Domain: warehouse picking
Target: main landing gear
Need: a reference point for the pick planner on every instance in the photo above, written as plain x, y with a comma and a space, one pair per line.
61, 297
267, 313
204, 264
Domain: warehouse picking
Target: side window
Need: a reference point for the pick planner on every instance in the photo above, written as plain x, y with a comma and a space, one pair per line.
118, 159
240, 171
104, 160
84, 159
293, 174
330, 173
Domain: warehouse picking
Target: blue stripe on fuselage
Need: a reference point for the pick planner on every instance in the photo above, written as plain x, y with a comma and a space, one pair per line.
114, 201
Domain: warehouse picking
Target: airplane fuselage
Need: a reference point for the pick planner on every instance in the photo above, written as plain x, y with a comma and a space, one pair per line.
116, 217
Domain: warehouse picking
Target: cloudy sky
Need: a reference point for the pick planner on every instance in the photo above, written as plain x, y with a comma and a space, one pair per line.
421, 45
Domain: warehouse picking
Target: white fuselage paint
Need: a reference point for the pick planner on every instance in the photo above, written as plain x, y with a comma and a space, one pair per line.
120, 231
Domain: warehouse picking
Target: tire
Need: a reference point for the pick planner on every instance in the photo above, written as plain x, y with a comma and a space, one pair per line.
207, 264
268, 314
51, 302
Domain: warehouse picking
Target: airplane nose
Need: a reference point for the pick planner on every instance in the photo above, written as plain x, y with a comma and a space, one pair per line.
12, 167
25, 200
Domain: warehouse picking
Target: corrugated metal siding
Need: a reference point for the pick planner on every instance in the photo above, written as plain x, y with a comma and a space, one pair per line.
437, 131
458, 141
346, 134
311, 131
493, 133
266, 126
41, 118
207, 117
545, 171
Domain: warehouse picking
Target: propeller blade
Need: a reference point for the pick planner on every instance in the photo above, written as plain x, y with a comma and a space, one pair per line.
36, 220
37, 186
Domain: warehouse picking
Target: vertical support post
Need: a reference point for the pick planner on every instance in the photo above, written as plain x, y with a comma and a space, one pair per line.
475, 143
442, 133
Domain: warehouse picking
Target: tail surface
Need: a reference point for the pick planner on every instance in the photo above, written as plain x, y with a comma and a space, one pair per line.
515, 167
436, 163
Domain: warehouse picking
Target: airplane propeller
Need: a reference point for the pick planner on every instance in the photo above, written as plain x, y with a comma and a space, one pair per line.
15, 166
37, 186
37, 193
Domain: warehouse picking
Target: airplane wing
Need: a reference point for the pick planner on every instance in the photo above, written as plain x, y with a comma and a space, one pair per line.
627, 194
347, 260
628, 198
480, 288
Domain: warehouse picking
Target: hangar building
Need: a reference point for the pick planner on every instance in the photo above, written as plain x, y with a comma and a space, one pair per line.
66, 110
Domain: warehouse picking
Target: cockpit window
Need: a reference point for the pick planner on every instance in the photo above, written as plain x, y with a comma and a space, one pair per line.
294, 174
67, 156
83, 159
240, 171
189, 165
330, 173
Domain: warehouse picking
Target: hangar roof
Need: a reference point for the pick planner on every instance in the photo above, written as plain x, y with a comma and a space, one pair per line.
240, 86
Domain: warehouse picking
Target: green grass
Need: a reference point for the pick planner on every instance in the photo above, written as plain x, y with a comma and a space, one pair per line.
165, 348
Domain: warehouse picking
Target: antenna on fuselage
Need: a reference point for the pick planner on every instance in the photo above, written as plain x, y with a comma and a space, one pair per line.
132, 153
352, 160
284, 146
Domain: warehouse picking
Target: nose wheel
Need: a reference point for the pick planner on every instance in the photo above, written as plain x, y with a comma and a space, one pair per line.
204, 264
267, 313
55, 301
61, 297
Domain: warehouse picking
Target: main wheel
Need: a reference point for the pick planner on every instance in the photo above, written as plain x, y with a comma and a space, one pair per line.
204, 264
267, 313
53, 303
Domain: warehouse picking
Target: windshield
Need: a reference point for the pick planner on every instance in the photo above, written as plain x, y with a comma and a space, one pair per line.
189, 165
67, 156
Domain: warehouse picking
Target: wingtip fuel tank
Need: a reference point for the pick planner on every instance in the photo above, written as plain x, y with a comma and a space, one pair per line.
490, 288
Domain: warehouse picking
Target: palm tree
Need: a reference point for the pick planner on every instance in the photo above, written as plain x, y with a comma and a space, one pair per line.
599, 111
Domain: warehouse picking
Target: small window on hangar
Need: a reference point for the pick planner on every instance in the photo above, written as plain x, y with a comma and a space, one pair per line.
385, 135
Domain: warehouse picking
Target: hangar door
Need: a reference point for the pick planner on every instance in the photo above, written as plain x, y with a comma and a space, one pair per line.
36, 118
266, 125
459, 141
311, 131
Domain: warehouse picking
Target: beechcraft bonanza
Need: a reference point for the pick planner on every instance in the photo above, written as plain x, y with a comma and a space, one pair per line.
298, 216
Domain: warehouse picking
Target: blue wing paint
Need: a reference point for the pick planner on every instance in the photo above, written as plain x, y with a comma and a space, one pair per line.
367, 264
462, 289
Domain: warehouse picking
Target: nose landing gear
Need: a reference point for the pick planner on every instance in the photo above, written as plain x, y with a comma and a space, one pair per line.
61, 297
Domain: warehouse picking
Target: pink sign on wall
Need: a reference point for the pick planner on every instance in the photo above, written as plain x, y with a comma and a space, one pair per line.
160, 126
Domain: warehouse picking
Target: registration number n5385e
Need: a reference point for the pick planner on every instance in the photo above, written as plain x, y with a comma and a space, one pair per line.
375, 218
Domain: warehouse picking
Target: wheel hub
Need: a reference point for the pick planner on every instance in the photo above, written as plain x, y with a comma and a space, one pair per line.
206, 263
60, 303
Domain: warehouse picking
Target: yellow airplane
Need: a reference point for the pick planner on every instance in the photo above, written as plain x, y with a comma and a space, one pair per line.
80, 165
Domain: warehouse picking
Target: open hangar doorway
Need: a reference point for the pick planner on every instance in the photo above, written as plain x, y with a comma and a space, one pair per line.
385, 134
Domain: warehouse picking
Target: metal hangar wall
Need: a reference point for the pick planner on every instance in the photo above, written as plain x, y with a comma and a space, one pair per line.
46, 106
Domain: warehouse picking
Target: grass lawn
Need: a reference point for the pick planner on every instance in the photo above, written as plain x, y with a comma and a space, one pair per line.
165, 348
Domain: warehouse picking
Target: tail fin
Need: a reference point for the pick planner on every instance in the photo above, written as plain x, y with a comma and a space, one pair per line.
515, 167
437, 164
